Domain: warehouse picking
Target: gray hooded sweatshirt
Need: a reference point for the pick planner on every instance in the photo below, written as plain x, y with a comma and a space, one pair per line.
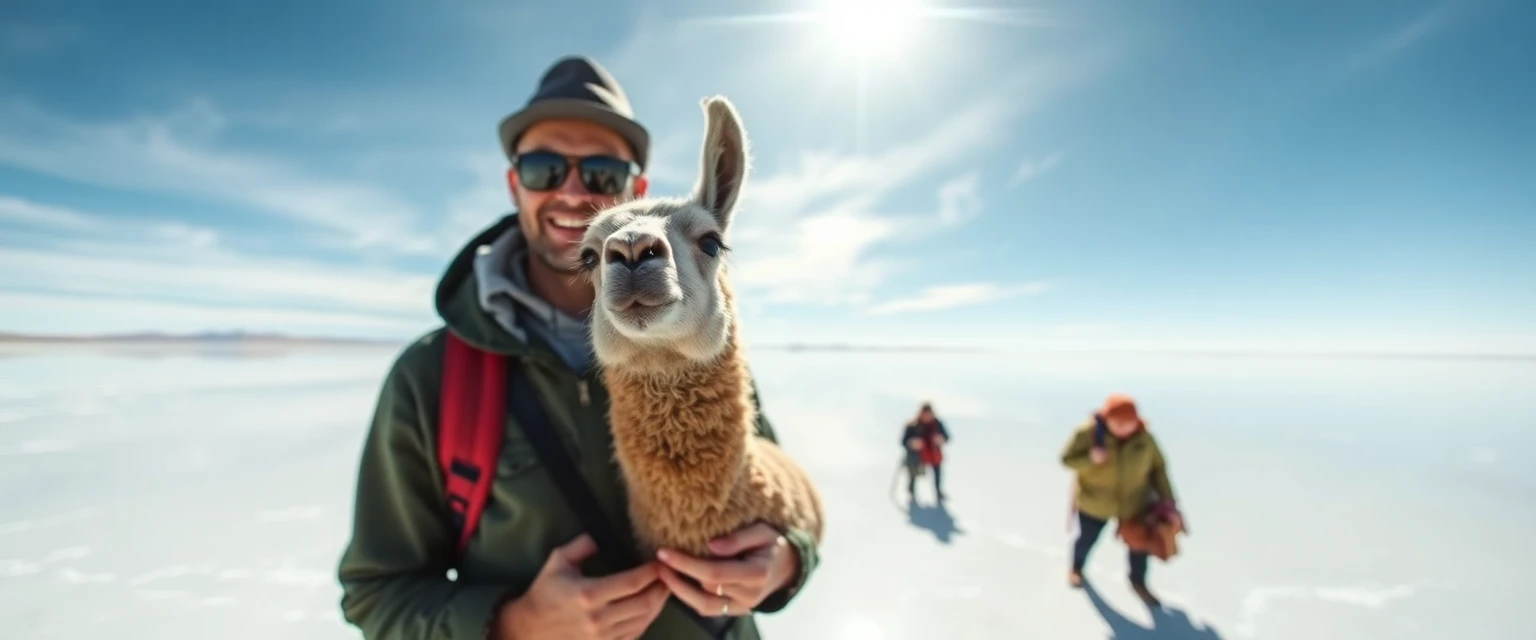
501, 275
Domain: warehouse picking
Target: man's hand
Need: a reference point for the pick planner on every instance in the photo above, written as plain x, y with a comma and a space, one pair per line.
562, 603
758, 562
1098, 455
915, 444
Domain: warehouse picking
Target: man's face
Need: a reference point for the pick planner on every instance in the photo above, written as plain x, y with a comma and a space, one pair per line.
553, 221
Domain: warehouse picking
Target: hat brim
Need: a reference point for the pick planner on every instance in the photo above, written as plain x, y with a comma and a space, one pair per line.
514, 125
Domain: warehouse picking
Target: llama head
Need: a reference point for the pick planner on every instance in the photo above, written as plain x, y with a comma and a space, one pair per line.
657, 264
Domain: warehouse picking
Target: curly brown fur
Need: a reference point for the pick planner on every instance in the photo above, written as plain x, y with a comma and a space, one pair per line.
665, 334
684, 442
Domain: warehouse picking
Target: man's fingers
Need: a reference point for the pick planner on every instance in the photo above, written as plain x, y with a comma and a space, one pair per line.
753, 537
577, 550
641, 606
657, 600
736, 592
630, 629
620, 585
717, 571
705, 604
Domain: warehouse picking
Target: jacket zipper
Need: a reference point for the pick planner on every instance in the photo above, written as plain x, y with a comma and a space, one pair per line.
1119, 490
583, 393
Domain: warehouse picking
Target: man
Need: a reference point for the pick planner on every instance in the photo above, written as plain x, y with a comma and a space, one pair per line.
530, 570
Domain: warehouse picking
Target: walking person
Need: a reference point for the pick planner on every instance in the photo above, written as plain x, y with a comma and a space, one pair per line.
924, 438
1121, 475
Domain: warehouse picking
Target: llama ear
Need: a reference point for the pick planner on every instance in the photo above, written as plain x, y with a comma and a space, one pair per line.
723, 170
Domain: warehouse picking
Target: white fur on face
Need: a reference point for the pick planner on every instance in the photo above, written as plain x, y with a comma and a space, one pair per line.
668, 298
691, 318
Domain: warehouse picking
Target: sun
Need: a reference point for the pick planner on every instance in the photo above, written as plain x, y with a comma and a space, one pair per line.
874, 37
869, 27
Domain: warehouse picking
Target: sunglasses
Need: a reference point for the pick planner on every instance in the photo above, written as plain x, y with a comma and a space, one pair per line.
546, 170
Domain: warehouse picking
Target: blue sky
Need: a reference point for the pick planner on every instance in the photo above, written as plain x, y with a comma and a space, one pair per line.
1356, 175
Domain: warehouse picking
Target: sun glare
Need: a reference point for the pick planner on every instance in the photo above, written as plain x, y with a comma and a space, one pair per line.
866, 27
875, 37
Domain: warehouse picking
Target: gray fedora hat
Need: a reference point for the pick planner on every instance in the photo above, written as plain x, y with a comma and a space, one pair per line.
578, 87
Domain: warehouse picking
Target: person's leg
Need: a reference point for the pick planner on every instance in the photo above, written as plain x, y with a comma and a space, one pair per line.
1088, 528
938, 487
912, 482
1139, 579
1138, 567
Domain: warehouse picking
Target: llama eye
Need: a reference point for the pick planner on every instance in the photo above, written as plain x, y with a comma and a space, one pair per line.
589, 259
710, 245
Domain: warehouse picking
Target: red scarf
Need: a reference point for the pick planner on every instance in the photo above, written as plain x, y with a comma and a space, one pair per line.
931, 453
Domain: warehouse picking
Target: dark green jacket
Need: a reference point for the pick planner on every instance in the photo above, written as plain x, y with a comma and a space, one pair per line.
394, 570
1126, 483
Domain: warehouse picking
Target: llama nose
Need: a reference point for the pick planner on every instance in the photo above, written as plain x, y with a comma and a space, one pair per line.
633, 248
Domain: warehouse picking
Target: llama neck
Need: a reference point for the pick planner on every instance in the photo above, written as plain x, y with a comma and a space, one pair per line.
685, 429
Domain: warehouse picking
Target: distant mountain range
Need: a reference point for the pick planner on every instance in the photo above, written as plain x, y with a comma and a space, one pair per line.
244, 340
211, 338
207, 338
796, 346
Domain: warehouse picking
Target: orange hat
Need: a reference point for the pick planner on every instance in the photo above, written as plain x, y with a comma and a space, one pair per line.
1118, 406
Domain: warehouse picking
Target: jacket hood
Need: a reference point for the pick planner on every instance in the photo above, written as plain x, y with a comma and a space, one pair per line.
457, 299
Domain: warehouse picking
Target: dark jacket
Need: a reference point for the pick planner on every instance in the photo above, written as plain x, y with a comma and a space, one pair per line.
393, 570
931, 454
915, 429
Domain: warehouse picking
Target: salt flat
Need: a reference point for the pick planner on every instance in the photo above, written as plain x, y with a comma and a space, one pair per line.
188, 495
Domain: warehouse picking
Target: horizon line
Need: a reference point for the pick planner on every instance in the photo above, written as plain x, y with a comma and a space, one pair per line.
226, 337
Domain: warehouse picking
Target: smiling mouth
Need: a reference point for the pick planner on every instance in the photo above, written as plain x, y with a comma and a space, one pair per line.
570, 224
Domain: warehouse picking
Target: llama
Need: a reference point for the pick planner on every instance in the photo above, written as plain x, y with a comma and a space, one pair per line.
665, 335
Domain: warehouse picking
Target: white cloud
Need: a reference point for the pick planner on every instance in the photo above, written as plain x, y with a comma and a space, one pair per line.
809, 231
1082, 330
818, 260
1031, 168
187, 234
27, 213
132, 265
228, 278
172, 154
674, 159
958, 200
17, 210
864, 179
1398, 41
62, 314
93, 272
478, 206
806, 234
950, 296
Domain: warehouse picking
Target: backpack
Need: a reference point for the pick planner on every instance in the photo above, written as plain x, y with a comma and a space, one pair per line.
471, 411
476, 393
475, 396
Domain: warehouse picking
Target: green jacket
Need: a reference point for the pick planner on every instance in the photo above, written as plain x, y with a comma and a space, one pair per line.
393, 571
1130, 479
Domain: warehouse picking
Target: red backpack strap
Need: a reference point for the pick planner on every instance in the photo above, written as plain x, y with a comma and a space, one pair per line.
470, 422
